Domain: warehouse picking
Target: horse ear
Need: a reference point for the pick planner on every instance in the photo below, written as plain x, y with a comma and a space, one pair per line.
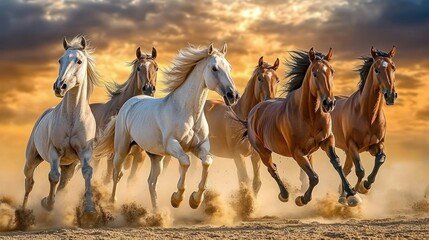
224, 48
138, 53
392, 52
83, 42
374, 53
65, 44
311, 54
328, 56
276, 64
210, 49
261, 61
154, 53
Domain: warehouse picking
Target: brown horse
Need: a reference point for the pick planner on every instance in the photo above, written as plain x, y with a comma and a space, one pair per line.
142, 80
359, 124
297, 125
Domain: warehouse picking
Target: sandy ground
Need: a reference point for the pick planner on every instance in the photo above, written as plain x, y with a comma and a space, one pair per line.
416, 227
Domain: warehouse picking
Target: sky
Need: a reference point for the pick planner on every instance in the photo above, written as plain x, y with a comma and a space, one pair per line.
31, 35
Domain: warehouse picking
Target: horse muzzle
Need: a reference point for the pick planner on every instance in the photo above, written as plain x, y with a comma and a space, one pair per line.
149, 90
59, 89
231, 97
390, 97
328, 105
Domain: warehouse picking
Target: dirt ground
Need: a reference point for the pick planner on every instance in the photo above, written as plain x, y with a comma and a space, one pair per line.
415, 227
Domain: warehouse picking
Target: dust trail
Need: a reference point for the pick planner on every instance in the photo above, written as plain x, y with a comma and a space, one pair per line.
136, 215
7, 218
328, 207
243, 202
103, 208
216, 209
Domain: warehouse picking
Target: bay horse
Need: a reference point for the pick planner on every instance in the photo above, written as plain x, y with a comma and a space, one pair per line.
63, 135
299, 124
142, 80
359, 124
175, 124
223, 142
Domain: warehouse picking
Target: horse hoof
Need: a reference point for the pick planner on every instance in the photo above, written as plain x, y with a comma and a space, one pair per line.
176, 199
343, 201
89, 218
283, 199
299, 201
361, 188
353, 201
192, 202
46, 205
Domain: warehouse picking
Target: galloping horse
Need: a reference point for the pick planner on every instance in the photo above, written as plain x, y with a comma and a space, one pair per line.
63, 135
142, 80
297, 125
358, 121
175, 124
223, 142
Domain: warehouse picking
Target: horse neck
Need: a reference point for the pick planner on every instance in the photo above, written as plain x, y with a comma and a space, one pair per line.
191, 95
130, 90
371, 99
76, 99
309, 105
248, 100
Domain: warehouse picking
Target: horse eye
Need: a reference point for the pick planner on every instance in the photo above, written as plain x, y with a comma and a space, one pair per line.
79, 61
59, 61
376, 70
156, 68
314, 75
138, 68
259, 78
214, 69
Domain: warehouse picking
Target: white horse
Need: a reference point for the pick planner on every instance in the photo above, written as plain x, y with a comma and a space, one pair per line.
175, 124
63, 135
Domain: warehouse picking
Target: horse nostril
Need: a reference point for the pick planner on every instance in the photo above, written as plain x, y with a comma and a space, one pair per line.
385, 95
144, 88
325, 102
64, 86
334, 102
229, 95
396, 95
154, 88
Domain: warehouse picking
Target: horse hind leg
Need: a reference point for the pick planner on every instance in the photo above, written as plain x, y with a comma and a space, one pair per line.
138, 159
30, 165
256, 164
67, 172
155, 171
243, 177
380, 158
109, 171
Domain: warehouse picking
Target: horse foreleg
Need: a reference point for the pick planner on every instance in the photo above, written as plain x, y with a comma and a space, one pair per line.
303, 176
67, 172
54, 178
380, 158
155, 171
360, 171
256, 164
206, 160
313, 178
241, 169
138, 159
267, 159
346, 170
174, 149
30, 165
85, 161
329, 147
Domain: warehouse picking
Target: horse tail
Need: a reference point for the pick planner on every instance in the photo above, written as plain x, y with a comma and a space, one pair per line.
106, 140
243, 130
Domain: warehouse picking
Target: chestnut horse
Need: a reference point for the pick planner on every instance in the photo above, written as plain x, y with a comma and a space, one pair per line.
297, 125
359, 124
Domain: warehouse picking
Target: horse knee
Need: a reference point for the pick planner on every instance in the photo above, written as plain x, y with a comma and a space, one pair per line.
54, 177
